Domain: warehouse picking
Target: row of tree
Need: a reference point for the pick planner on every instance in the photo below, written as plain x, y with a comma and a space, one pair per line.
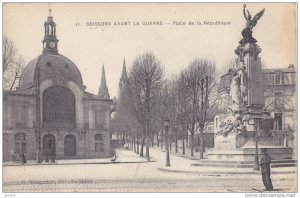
147, 97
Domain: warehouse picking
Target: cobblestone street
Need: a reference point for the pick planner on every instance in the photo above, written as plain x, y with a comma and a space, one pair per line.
145, 185
137, 177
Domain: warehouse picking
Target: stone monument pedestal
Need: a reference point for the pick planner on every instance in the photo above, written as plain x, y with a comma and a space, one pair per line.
241, 148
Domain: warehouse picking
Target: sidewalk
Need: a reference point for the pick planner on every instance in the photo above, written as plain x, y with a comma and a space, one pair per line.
210, 171
123, 156
184, 164
187, 152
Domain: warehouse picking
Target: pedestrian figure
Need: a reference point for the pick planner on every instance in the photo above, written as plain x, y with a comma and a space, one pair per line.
23, 158
114, 157
46, 154
52, 154
265, 162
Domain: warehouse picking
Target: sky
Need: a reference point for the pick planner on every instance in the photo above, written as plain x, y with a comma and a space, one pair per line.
174, 43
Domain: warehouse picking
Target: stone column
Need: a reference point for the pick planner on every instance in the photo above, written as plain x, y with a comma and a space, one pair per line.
248, 58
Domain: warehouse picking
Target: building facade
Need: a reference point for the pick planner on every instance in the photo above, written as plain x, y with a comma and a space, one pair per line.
281, 102
50, 110
280, 96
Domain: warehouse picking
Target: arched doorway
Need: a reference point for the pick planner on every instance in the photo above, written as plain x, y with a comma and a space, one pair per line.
70, 145
49, 147
58, 107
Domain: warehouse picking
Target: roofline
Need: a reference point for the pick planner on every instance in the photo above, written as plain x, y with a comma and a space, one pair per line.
282, 70
37, 63
7, 93
97, 99
75, 67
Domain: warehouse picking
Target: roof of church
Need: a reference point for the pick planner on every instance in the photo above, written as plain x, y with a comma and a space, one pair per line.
103, 90
51, 66
124, 72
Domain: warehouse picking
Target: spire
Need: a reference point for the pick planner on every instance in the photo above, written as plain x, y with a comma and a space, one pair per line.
50, 41
103, 91
124, 78
50, 18
124, 72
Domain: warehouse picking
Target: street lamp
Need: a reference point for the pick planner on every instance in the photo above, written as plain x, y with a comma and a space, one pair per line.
256, 160
167, 125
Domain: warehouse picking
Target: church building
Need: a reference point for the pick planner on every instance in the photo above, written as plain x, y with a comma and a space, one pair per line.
50, 113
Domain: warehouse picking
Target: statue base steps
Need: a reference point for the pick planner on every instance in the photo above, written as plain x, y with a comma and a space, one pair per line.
247, 154
244, 164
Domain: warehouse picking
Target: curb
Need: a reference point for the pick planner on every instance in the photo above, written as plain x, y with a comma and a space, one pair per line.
187, 156
79, 163
219, 173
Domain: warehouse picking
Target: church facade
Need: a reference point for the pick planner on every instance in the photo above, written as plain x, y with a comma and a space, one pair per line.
50, 114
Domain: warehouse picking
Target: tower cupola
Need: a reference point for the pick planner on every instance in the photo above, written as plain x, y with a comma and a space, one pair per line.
50, 41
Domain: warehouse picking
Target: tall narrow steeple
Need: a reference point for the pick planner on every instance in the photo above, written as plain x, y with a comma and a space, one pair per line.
50, 41
124, 78
124, 72
103, 90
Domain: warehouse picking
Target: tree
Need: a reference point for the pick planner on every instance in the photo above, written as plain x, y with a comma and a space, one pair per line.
146, 78
125, 121
199, 81
12, 64
170, 108
183, 107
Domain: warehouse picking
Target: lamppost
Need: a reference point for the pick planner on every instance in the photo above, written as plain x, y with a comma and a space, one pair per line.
167, 125
256, 160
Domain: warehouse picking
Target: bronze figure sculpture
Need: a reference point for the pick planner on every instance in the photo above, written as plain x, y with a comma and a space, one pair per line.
250, 23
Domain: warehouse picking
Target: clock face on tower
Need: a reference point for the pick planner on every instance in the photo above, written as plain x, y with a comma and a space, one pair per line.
52, 44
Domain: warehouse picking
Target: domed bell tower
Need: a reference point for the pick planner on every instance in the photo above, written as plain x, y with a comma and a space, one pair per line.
50, 41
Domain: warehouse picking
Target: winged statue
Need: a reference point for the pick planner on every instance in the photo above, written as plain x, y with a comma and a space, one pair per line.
250, 23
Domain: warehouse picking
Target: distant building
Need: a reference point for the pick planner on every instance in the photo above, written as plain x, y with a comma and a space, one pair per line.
280, 100
73, 123
208, 137
280, 96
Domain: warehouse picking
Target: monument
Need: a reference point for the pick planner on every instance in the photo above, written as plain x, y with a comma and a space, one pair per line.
246, 127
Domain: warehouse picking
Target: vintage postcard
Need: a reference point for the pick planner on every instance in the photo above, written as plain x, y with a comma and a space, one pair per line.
150, 97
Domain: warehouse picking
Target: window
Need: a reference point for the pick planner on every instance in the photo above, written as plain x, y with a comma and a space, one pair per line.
24, 115
58, 108
98, 137
278, 100
277, 79
99, 145
278, 121
20, 116
99, 119
20, 143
